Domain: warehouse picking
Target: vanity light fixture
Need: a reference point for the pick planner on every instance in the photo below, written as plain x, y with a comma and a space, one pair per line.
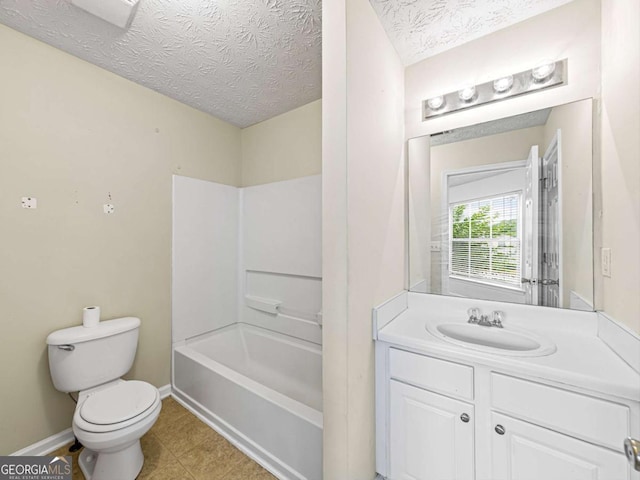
543, 76
543, 72
503, 85
467, 94
436, 103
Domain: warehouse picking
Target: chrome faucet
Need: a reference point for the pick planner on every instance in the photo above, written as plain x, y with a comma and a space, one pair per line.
497, 319
475, 317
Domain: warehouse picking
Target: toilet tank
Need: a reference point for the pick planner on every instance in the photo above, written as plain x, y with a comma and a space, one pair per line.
81, 357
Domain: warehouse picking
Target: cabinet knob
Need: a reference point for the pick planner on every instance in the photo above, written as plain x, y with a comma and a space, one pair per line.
500, 430
465, 418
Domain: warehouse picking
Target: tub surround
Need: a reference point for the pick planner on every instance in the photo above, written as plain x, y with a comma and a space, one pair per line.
565, 392
205, 257
246, 320
281, 256
231, 243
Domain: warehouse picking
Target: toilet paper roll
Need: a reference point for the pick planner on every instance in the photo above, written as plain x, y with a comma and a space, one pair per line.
90, 316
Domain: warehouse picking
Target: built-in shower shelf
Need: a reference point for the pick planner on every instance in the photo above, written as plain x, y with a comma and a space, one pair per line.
263, 304
275, 307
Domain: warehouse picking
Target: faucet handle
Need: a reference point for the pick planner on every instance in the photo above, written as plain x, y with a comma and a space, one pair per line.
498, 316
474, 315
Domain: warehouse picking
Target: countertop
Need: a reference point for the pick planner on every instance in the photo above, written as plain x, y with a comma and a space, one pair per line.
582, 360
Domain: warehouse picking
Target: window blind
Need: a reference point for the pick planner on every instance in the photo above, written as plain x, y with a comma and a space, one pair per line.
485, 240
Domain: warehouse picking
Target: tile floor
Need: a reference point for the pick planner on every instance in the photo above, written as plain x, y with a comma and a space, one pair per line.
181, 447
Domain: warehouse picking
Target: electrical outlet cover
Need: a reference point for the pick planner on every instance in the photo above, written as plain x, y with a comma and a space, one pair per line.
29, 202
108, 208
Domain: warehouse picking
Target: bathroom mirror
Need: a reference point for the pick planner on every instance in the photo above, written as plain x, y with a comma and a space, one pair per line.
502, 210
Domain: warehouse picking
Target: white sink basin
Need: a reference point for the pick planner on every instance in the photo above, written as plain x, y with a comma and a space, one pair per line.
502, 341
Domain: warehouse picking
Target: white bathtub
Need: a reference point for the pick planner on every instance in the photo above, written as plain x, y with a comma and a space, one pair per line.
260, 389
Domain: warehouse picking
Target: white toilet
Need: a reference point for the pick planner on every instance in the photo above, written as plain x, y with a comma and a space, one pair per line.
112, 414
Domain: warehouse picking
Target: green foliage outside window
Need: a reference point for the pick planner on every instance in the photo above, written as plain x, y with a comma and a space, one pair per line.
484, 239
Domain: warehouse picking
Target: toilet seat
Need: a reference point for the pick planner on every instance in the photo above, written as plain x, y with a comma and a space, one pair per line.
116, 407
118, 404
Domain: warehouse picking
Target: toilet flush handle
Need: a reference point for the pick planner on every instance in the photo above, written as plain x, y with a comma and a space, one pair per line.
68, 348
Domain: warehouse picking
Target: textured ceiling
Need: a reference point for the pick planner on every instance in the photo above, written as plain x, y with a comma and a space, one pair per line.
421, 28
494, 127
240, 60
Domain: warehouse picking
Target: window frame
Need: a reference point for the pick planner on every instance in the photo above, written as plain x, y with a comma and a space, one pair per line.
516, 285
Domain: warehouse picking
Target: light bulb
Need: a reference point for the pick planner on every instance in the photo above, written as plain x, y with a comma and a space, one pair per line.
436, 103
467, 94
543, 72
503, 85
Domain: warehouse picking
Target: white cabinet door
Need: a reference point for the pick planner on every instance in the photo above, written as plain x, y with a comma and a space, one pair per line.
528, 452
428, 438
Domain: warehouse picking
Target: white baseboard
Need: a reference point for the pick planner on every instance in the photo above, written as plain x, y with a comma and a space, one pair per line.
46, 446
54, 442
165, 391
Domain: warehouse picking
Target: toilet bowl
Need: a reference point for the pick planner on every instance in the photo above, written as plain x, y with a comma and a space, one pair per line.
111, 414
109, 421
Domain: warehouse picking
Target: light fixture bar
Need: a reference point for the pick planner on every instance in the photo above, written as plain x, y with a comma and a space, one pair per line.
552, 74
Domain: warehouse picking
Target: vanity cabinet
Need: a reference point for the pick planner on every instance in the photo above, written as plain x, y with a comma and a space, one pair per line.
431, 436
439, 419
524, 451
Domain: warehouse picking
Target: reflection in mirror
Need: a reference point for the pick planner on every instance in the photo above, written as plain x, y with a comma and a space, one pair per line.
502, 210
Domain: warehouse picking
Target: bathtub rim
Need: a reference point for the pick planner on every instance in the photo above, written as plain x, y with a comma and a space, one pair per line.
283, 337
295, 407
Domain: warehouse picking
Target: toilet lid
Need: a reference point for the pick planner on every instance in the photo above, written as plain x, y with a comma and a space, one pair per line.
118, 403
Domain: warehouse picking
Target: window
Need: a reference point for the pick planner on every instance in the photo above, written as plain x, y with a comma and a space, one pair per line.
485, 240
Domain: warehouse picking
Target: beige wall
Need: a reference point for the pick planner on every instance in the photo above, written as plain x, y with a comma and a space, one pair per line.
620, 159
284, 147
334, 241
504, 147
419, 214
576, 126
364, 222
77, 137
